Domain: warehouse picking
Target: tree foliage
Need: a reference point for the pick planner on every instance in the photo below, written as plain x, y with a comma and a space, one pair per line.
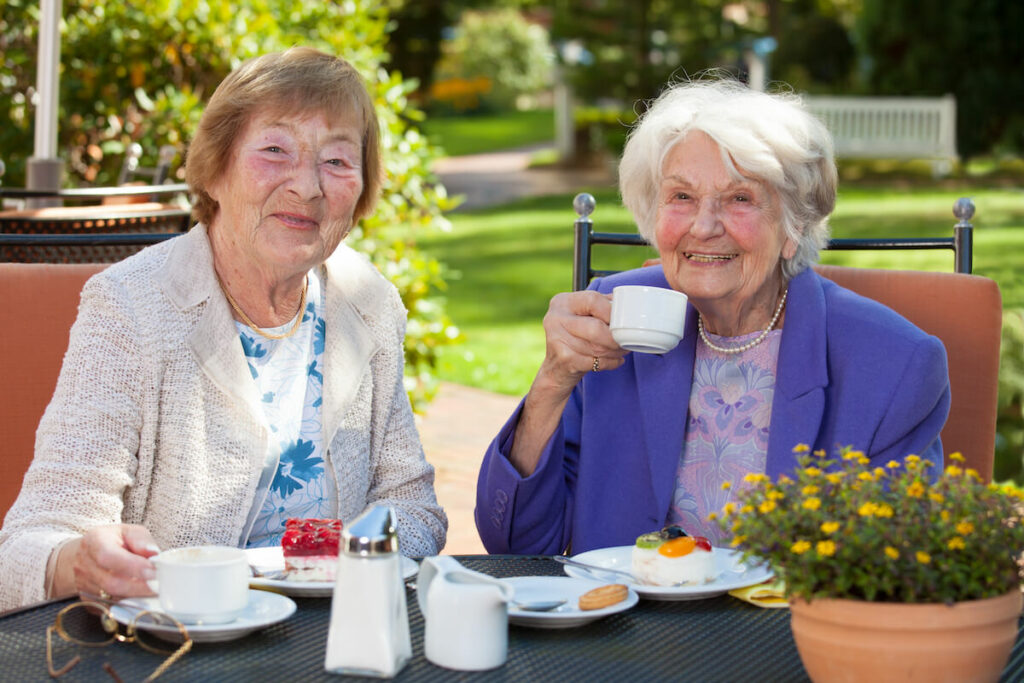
971, 48
141, 72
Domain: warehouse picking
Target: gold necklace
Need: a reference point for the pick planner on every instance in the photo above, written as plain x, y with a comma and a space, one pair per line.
250, 323
749, 345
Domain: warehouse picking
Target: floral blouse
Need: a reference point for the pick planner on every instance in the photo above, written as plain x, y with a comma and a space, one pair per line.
287, 374
727, 431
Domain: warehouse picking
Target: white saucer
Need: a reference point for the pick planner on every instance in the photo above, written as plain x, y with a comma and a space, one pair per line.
732, 574
264, 609
569, 615
271, 559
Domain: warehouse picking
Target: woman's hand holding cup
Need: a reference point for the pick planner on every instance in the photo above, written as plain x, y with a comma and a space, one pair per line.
578, 339
107, 562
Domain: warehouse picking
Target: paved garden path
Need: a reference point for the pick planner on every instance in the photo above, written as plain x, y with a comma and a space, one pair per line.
461, 421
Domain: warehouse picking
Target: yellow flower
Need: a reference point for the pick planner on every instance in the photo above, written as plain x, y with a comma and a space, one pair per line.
712, 516
954, 471
965, 528
800, 547
820, 452
834, 477
737, 540
809, 490
775, 494
812, 471
801, 448
767, 506
863, 460
915, 490
956, 457
783, 479
826, 548
936, 496
811, 503
867, 509
729, 508
892, 553
746, 509
736, 524
892, 464
866, 476
829, 527
853, 455
923, 557
973, 474
884, 510
913, 458
879, 472
754, 478
956, 543
726, 485
944, 515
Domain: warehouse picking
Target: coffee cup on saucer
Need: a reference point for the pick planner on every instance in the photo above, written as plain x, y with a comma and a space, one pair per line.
647, 319
202, 584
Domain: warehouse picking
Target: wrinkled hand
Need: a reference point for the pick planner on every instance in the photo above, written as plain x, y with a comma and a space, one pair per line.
576, 332
113, 561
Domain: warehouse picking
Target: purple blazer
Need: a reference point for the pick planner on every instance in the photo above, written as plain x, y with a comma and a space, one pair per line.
850, 372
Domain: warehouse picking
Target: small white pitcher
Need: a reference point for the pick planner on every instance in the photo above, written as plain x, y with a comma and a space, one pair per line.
466, 615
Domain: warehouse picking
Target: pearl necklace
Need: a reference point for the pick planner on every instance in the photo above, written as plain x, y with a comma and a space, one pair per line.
269, 335
750, 344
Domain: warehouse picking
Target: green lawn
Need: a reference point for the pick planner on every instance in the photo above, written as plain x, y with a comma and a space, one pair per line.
490, 133
508, 261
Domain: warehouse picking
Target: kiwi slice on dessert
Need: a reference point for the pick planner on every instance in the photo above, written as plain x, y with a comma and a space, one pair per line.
650, 540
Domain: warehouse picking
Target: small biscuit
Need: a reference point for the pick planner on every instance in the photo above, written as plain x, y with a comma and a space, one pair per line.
603, 596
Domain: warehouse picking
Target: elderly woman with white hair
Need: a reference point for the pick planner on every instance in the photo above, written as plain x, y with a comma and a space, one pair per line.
734, 189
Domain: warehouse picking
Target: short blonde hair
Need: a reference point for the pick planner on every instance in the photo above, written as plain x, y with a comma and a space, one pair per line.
770, 135
300, 79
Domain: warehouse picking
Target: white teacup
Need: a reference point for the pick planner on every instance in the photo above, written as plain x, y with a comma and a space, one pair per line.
647, 319
203, 584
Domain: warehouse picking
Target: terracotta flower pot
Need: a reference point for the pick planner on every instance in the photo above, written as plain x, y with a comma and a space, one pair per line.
857, 641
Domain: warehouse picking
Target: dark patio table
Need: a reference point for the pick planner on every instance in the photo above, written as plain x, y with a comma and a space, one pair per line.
718, 639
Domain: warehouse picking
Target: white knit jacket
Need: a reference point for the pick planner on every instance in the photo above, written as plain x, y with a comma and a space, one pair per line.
156, 419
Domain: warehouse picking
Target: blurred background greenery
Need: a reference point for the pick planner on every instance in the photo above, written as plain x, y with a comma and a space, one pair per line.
469, 76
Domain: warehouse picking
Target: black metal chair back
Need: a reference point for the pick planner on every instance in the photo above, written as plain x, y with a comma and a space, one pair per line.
961, 242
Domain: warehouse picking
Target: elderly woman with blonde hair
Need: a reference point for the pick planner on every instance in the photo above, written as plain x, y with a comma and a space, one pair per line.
734, 188
248, 371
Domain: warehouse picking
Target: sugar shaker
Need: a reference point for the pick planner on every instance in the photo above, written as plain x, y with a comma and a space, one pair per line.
369, 629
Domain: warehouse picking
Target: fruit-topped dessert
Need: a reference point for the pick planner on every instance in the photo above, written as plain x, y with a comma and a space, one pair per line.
671, 558
310, 549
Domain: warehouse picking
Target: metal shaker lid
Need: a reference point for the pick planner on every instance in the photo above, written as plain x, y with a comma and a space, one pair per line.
375, 532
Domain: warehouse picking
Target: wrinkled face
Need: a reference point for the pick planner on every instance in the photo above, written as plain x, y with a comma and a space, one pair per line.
720, 238
289, 192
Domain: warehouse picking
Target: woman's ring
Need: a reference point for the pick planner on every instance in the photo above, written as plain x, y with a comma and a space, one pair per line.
597, 364
104, 595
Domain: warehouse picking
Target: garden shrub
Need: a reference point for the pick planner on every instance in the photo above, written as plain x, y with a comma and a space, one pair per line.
141, 72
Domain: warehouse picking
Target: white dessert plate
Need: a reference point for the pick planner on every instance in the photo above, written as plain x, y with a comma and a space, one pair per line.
542, 588
732, 574
264, 609
271, 559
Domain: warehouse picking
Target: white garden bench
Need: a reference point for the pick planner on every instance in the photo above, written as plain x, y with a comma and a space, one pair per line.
891, 127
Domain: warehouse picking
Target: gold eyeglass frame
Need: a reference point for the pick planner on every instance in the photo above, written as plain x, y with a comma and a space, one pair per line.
111, 626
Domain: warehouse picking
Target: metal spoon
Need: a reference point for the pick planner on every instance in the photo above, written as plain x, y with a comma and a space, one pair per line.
593, 567
538, 605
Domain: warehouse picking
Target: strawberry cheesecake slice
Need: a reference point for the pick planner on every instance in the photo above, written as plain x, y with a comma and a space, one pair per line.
310, 549
671, 558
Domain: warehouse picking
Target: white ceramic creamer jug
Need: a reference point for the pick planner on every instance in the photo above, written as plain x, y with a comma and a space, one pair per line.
466, 615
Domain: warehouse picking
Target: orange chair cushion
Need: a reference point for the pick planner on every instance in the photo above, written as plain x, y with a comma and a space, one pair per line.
965, 312
38, 304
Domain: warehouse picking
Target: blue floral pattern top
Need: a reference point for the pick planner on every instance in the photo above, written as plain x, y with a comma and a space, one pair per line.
288, 375
727, 431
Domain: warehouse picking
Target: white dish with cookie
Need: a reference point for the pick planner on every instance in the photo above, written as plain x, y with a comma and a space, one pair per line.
532, 589
731, 574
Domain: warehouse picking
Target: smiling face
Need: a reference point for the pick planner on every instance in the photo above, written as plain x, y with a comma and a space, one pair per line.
719, 237
287, 198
